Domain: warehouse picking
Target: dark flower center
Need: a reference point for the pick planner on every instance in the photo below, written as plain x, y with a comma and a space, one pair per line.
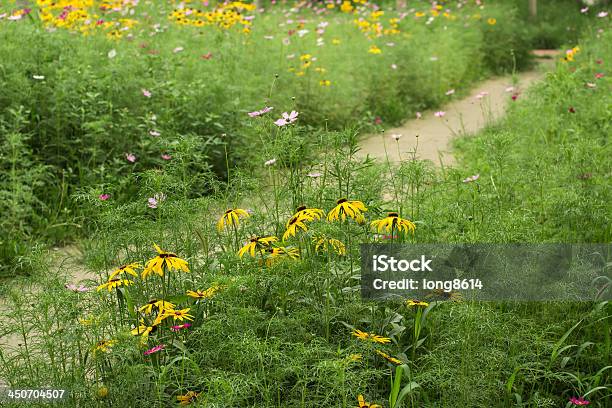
300, 208
393, 214
342, 200
163, 256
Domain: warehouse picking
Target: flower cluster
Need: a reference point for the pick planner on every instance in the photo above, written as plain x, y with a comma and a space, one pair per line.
223, 16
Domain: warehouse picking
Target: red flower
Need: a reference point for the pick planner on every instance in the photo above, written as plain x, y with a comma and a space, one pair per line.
579, 401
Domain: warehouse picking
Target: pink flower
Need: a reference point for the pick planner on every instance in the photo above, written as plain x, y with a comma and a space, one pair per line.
584, 10
166, 156
287, 118
154, 349
130, 157
450, 92
378, 120
260, 112
602, 14
515, 96
599, 75
146, 93
104, 197
156, 199
75, 288
180, 327
419, 115
471, 178
579, 401
439, 114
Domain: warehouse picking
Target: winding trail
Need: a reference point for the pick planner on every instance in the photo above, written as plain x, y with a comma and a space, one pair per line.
431, 136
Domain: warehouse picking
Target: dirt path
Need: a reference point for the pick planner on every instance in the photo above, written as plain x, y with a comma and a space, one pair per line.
431, 135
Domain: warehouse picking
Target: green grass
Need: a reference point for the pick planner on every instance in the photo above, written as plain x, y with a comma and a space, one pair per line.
280, 335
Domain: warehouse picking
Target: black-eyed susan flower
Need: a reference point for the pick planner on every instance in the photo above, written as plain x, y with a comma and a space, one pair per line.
297, 221
129, 269
159, 305
231, 218
204, 294
388, 357
164, 260
412, 303
104, 345
326, 244
188, 398
274, 254
353, 209
370, 337
393, 222
181, 315
115, 283
363, 404
256, 243
143, 330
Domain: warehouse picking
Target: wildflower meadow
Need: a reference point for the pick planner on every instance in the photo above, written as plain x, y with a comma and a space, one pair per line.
186, 189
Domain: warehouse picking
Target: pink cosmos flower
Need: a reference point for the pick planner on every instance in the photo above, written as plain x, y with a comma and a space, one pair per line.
75, 288
287, 118
602, 14
584, 10
155, 200
450, 92
154, 350
599, 75
260, 112
579, 401
146, 93
166, 156
180, 327
439, 114
104, 197
130, 157
471, 178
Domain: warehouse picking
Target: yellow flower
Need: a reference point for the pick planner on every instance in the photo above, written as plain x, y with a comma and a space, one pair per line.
188, 398
353, 209
160, 305
231, 217
129, 268
323, 243
346, 7
115, 283
104, 345
388, 357
143, 330
419, 14
411, 303
278, 253
204, 294
336, 41
325, 82
164, 259
374, 50
370, 337
491, 21
301, 215
293, 225
393, 221
181, 315
258, 243
364, 404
